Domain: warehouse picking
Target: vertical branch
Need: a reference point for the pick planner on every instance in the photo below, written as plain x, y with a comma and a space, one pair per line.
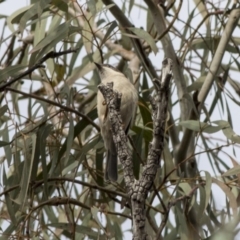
138, 189
125, 23
141, 188
113, 101
159, 22
215, 64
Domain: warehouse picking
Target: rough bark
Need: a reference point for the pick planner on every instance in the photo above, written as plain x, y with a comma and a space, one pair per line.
138, 190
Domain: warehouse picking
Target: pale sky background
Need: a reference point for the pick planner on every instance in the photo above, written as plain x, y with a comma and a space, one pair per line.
10, 6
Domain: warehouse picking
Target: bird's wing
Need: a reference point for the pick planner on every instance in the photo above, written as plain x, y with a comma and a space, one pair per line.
128, 126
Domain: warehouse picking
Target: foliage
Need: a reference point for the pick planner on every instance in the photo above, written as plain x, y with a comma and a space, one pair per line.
52, 154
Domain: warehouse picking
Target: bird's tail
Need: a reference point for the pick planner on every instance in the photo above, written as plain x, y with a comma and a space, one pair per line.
111, 172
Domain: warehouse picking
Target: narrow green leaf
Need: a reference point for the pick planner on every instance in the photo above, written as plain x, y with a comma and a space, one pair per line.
147, 37
190, 101
90, 145
182, 223
113, 25
80, 126
87, 33
229, 114
169, 162
70, 137
233, 171
7, 148
72, 164
145, 113
92, 6
211, 43
11, 71
8, 231
196, 85
3, 16
81, 229
36, 159
9, 204
218, 96
228, 131
146, 90
35, 10
40, 34
208, 188
61, 5
42, 135
202, 197
200, 126
3, 109
99, 167
150, 26
101, 9
229, 194
17, 15
3, 143
28, 163
187, 189
131, 3
147, 133
53, 37
74, 57
186, 28
95, 211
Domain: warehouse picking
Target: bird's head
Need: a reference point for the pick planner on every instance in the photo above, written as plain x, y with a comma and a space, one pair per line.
107, 71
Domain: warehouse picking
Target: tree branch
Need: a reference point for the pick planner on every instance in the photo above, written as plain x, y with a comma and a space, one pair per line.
218, 56
113, 100
138, 189
125, 23
65, 108
217, 59
39, 64
141, 188
171, 204
159, 22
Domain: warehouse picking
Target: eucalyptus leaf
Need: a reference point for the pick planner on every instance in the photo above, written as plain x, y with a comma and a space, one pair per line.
233, 171
53, 37
11, 71
200, 126
142, 34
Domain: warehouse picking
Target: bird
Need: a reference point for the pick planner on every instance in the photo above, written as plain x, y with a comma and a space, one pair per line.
128, 106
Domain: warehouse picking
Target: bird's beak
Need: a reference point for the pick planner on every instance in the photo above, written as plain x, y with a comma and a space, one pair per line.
99, 66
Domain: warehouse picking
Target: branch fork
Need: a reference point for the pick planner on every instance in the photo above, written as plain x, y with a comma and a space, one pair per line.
138, 190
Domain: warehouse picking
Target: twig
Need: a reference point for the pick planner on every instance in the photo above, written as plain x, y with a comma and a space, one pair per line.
93, 186
159, 22
171, 204
125, 23
39, 64
55, 201
172, 22
65, 108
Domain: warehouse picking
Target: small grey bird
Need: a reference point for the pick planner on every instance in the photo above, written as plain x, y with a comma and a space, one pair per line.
129, 100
